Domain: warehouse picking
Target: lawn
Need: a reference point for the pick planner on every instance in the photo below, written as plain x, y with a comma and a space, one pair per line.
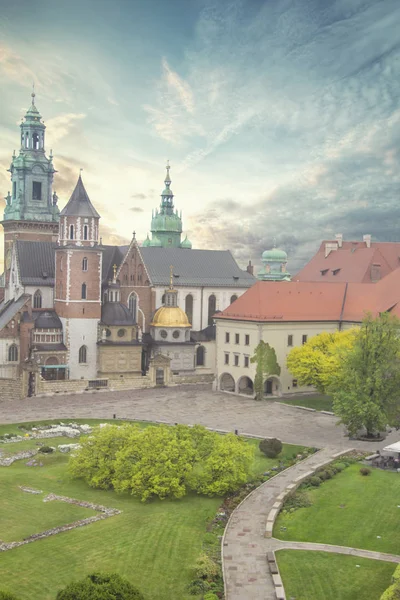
322, 576
317, 402
349, 510
154, 545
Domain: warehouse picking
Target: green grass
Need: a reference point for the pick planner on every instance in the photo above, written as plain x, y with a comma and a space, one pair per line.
154, 545
317, 402
349, 510
322, 576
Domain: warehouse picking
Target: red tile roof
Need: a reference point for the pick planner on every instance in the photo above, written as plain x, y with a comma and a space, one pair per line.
352, 262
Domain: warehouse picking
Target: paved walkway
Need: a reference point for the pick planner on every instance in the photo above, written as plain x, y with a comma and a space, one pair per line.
291, 545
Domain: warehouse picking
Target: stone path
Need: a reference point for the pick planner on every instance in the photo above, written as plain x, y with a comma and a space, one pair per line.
275, 544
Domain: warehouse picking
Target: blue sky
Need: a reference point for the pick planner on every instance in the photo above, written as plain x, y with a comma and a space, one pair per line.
281, 119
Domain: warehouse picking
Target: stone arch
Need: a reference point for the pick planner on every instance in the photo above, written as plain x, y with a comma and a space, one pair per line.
226, 383
52, 360
272, 386
245, 386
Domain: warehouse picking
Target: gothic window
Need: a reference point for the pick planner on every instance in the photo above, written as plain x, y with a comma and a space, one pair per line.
35, 141
37, 299
36, 190
200, 355
189, 308
132, 304
13, 353
85, 232
14, 189
163, 299
233, 298
84, 264
83, 354
71, 232
212, 307
83, 295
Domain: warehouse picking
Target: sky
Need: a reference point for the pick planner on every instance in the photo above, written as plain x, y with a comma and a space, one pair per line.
280, 118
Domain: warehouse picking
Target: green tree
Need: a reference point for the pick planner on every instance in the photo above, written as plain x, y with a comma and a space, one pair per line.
365, 387
100, 586
266, 365
316, 362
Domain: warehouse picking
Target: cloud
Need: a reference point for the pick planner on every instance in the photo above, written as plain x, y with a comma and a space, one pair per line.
139, 196
110, 237
136, 209
62, 125
14, 67
65, 179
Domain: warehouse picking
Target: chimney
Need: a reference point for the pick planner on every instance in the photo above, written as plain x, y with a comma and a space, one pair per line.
339, 239
367, 240
330, 247
250, 268
375, 272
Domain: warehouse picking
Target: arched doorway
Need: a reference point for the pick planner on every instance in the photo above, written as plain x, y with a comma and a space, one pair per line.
272, 387
245, 386
227, 383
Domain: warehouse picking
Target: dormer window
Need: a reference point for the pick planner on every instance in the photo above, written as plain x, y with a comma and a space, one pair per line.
324, 271
335, 271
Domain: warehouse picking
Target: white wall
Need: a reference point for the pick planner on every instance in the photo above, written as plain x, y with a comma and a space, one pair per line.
5, 343
77, 333
209, 358
47, 295
200, 301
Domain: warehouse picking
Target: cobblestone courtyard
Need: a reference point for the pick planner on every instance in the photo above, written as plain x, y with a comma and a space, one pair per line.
192, 404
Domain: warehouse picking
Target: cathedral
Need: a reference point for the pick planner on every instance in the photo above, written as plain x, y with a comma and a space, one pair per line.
77, 310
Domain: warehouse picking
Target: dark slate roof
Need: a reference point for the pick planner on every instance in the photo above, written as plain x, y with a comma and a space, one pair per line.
112, 255
115, 313
195, 267
79, 204
205, 335
48, 320
36, 262
10, 309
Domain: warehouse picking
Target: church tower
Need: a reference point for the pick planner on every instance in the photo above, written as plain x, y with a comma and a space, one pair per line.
77, 287
166, 224
31, 211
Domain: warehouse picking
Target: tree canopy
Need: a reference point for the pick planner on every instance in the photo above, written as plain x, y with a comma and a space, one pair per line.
315, 362
266, 364
366, 386
100, 586
162, 461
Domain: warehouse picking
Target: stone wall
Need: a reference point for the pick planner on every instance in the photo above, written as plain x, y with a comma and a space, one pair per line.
130, 383
61, 387
195, 378
10, 389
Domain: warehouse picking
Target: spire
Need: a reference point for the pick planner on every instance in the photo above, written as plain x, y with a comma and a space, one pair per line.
171, 277
79, 205
167, 197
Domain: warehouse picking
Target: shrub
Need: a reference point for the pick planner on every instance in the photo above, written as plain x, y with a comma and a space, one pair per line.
315, 481
339, 466
46, 449
210, 596
271, 447
392, 593
325, 474
99, 586
297, 499
396, 575
365, 471
7, 596
205, 567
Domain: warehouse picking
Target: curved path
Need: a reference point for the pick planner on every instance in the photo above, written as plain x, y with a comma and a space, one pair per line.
276, 544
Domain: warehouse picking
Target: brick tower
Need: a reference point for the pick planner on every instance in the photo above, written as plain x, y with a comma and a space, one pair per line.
77, 289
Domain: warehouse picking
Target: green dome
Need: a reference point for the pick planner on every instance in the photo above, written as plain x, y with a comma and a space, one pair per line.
146, 242
166, 222
186, 243
155, 242
274, 255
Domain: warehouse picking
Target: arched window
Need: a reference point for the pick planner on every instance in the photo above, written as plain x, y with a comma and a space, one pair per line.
212, 307
233, 298
37, 299
84, 264
83, 354
85, 232
189, 308
163, 299
35, 141
13, 353
71, 232
200, 356
83, 295
140, 272
132, 303
26, 140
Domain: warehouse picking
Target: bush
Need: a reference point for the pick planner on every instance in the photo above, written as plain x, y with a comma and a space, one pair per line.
392, 593
396, 575
315, 481
210, 596
271, 447
205, 567
365, 471
7, 596
297, 499
339, 466
46, 449
99, 586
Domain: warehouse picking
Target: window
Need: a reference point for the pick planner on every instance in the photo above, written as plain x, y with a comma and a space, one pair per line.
83, 294
37, 299
200, 355
121, 333
294, 383
237, 338
132, 304
212, 307
290, 340
84, 264
163, 334
163, 299
85, 232
14, 189
236, 360
71, 232
304, 339
189, 307
227, 338
226, 358
83, 354
233, 298
246, 361
175, 334
36, 190
247, 340
108, 332
13, 353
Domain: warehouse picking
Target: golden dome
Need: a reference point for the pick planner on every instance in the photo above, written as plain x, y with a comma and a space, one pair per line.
170, 316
